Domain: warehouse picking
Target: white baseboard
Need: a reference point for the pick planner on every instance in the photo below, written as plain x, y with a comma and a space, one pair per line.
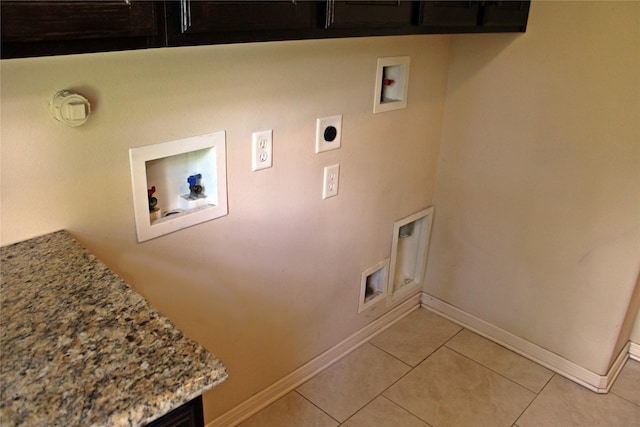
546, 358
283, 386
634, 351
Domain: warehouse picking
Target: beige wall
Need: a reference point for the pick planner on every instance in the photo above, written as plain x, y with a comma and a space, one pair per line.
276, 282
537, 219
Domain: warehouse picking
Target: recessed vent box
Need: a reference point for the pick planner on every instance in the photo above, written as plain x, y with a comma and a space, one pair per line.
409, 250
373, 285
178, 184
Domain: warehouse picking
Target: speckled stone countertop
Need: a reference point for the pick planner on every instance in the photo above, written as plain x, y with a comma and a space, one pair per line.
79, 347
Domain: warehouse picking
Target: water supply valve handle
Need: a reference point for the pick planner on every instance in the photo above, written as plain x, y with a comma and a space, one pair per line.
153, 202
194, 187
193, 179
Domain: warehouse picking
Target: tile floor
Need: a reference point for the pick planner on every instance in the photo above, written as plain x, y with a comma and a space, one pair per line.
427, 371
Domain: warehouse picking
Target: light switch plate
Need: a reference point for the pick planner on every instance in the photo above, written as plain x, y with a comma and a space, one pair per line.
328, 133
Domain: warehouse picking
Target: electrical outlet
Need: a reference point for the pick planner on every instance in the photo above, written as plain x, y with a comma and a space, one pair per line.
261, 150
330, 181
328, 133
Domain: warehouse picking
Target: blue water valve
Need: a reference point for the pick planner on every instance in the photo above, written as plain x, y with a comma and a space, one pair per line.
193, 179
194, 187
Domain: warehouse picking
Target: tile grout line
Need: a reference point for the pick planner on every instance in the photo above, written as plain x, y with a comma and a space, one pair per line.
319, 408
362, 344
494, 371
536, 394
380, 394
389, 354
409, 371
398, 404
534, 399
611, 391
424, 358
444, 344
408, 411
624, 398
411, 368
377, 395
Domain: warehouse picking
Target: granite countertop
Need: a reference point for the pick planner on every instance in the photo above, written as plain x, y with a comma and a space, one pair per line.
79, 347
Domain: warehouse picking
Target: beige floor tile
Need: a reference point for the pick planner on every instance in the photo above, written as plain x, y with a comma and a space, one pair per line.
291, 410
627, 385
449, 389
350, 383
416, 336
563, 403
497, 358
384, 413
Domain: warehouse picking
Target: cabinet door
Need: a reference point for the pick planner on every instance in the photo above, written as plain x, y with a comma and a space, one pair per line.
218, 16
58, 20
188, 415
449, 13
506, 14
366, 14
31, 28
473, 16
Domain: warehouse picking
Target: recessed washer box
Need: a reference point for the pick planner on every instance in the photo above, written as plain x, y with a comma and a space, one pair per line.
178, 184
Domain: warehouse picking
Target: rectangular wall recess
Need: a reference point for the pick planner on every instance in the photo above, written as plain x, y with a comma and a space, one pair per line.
178, 184
373, 285
392, 84
409, 251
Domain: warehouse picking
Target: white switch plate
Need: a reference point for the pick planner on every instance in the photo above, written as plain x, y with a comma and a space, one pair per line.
330, 181
328, 133
261, 150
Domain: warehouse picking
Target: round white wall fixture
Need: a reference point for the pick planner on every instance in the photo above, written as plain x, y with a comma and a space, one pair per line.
70, 108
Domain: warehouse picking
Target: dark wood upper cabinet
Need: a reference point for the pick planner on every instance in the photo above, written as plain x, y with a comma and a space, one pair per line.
363, 14
506, 14
55, 20
32, 28
211, 22
449, 13
473, 16
212, 16
42, 28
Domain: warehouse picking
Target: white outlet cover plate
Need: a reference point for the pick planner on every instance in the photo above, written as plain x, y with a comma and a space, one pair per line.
321, 125
330, 181
261, 150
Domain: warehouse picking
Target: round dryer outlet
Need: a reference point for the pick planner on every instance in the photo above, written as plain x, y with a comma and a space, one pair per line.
328, 133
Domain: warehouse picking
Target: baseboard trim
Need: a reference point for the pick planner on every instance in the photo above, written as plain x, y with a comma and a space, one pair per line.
544, 357
634, 351
283, 386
